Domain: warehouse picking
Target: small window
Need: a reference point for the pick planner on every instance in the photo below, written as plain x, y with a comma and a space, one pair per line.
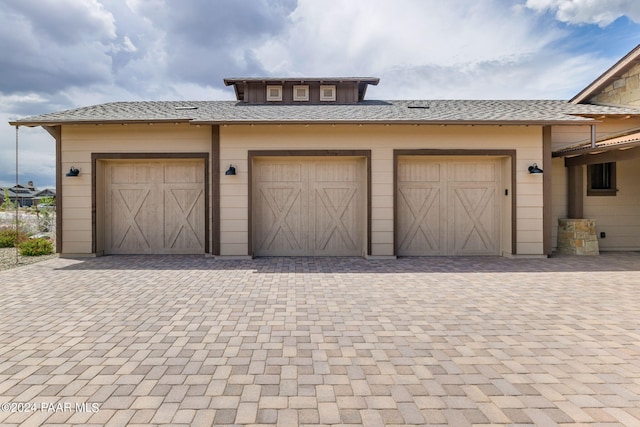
300, 93
274, 93
327, 93
601, 179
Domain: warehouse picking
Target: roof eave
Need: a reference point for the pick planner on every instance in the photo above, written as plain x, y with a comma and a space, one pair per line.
96, 122
398, 122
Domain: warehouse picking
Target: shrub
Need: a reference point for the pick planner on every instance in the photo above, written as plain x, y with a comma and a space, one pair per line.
36, 247
9, 237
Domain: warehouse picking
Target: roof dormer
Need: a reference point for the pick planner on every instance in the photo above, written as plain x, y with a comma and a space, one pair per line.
329, 90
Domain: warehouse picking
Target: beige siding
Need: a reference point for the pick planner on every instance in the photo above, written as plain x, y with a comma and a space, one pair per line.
236, 141
567, 136
618, 216
78, 142
558, 197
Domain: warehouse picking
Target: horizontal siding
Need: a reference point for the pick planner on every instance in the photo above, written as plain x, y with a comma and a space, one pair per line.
559, 193
567, 136
79, 142
236, 141
618, 216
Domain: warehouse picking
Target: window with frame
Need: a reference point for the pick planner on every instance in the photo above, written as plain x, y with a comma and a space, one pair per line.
274, 93
327, 93
601, 179
301, 92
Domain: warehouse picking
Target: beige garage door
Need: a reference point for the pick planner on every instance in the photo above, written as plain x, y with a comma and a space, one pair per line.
308, 206
154, 207
448, 207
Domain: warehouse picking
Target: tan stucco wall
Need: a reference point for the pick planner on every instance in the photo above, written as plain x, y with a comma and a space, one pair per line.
623, 91
236, 141
78, 142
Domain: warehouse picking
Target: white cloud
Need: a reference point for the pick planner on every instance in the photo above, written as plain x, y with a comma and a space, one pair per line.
456, 47
598, 12
377, 33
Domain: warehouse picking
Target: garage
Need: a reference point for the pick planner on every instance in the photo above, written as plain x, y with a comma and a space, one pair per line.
154, 206
448, 206
309, 206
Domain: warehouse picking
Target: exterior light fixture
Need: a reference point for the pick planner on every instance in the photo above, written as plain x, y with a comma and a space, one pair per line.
534, 169
73, 171
231, 170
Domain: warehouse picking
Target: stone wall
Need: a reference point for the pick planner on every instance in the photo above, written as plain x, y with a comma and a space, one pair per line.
577, 237
624, 91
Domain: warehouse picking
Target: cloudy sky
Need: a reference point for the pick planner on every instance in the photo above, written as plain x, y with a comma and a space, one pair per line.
61, 54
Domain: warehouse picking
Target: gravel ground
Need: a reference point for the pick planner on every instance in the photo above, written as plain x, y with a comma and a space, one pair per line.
8, 259
29, 223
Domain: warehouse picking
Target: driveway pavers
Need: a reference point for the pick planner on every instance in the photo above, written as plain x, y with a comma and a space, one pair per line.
185, 340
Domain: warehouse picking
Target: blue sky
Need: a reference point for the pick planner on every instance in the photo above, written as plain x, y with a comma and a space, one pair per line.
61, 54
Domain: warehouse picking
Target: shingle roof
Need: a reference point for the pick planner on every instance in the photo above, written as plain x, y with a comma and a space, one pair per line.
413, 112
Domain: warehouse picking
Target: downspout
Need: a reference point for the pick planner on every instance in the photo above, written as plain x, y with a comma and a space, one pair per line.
17, 211
593, 136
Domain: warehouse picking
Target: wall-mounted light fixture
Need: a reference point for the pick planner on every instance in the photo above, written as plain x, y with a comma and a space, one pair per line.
231, 170
73, 171
534, 169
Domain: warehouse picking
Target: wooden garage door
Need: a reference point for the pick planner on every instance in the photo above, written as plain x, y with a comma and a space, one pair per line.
308, 206
154, 207
448, 207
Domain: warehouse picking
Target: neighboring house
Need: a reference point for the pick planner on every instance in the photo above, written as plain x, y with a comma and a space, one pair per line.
26, 195
309, 166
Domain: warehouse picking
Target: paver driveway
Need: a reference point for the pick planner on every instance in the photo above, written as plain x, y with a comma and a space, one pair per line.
197, 341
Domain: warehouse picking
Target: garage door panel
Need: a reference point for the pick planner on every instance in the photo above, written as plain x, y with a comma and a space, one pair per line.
448, 207
145, 215
279, 228
307, 207
475, 219
420, 222
336, 216
183, 218
473, 172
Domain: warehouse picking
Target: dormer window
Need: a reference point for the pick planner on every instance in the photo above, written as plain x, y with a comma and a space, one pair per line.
274, 93
300, 92
327, 93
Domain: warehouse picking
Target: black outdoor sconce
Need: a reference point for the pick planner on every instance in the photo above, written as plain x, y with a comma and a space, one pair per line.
231, 170
534, 169
73, 171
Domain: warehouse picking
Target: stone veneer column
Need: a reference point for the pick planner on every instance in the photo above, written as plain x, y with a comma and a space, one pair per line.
577, 237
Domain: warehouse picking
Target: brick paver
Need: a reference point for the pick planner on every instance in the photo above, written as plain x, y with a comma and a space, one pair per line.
187, 340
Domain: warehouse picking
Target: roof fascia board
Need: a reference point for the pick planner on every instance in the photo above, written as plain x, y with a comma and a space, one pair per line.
45, 123
605, 78
403, 122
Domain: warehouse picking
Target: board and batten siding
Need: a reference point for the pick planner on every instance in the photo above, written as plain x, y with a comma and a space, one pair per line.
236, 141
80, 141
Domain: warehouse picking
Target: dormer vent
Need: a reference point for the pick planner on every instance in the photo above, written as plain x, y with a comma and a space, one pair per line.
327, 93
274, 93
301, 92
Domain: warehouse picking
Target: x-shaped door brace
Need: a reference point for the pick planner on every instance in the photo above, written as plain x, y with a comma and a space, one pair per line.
336, 217
130, 217
280, 215
183, 218
474, 212
419, 216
